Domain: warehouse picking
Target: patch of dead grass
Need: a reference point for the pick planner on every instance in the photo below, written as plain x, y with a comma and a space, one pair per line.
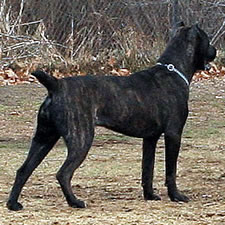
109, 179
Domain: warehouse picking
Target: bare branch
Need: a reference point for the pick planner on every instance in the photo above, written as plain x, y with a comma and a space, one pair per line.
218, 34
18, 20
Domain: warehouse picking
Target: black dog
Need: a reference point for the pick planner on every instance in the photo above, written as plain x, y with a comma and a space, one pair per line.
145, 105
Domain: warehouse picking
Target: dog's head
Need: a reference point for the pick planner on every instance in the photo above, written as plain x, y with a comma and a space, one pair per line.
189, 49
204, 52
199, 45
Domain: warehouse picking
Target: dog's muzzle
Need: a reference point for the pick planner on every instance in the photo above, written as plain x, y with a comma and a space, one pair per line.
211, 55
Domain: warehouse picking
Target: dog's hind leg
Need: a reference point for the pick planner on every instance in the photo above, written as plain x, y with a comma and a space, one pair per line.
78, 143
149, 146
172, 142
43, 141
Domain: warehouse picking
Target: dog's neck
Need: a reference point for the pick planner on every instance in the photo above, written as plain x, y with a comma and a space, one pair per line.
181, 59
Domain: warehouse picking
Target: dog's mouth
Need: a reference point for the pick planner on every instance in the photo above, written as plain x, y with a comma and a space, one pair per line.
207, 66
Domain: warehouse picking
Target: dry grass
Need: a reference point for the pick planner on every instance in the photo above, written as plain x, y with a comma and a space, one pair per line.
131, 50
90, 42
85, 50
109, 179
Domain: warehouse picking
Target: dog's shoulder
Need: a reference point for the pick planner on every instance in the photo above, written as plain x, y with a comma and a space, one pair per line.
149, 76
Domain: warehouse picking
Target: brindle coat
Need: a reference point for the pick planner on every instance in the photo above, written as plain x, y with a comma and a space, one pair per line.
145, 105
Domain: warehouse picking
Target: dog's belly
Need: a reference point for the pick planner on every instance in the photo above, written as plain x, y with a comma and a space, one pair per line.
134, 127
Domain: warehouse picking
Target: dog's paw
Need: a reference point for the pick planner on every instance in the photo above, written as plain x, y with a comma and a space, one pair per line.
77, 204
178, 197
151, 197
14, 206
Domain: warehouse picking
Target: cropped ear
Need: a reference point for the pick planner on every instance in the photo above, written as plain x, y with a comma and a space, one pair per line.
175, 28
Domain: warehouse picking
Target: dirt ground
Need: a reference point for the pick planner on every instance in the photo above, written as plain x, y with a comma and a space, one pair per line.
109, 179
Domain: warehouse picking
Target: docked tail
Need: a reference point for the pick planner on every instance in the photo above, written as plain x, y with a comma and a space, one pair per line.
50, 82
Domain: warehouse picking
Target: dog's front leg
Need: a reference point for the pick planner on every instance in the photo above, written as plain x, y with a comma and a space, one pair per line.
172, 142
148, 160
